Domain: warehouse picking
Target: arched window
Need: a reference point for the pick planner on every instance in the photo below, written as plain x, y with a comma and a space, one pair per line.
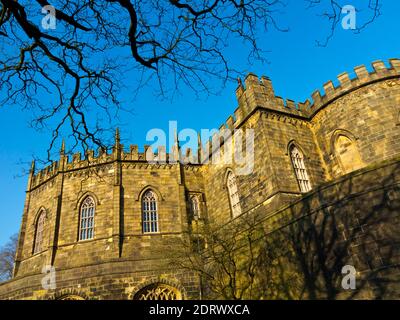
347, 153
86, 219
39, 231
158, 292
195, 206
300, 169
149, 212
233, 194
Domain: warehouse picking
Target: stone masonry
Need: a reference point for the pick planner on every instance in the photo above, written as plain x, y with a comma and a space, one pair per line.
349, 133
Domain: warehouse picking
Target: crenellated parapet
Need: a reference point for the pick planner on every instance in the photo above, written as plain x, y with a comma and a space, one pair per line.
259, 93
92, 159
37, 178
347, 83
254, 93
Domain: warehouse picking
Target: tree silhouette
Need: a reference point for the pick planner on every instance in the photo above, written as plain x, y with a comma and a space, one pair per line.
7, 255
70, 78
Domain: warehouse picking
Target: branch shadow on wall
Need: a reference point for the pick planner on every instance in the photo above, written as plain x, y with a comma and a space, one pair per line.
299, 252
352, 227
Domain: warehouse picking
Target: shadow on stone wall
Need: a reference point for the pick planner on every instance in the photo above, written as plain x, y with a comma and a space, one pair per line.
299, 251
352, 227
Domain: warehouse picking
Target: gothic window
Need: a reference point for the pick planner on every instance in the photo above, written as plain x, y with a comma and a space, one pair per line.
195, 207
149, 212
347, 153
233, 195
158, 292
39, 230
300, 169
86, 219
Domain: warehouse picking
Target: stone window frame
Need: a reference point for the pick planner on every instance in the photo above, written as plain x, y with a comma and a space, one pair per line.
91, 229
335, 136
201, 210
158, 291
70, 294
160, 199
305, 162
234, 215
42, 212
150, 222
150, 187
78, 203
77, 208
160, 279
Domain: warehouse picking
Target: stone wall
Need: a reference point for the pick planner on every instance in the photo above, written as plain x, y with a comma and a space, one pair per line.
119, 241
347, 129
299, 251
351, 221
109, 280
367, 117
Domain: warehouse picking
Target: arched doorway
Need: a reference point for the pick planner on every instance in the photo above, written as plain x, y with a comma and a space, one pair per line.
158, 291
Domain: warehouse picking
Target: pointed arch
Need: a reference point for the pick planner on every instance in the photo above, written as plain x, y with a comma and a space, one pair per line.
78, 204
40, 222
336, 134
345, 151
150, 212
298, 163
38, 213
152, 188
158, 291
293, 143
155, 281
70, 294
87, 211
233, 193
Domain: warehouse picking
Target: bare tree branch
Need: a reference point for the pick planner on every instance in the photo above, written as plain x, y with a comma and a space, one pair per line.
7, 255
70, 78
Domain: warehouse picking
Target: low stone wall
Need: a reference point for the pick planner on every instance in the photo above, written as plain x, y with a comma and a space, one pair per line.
118, 280
353, 221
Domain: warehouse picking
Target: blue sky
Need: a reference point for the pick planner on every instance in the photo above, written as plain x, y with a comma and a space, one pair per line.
296, 65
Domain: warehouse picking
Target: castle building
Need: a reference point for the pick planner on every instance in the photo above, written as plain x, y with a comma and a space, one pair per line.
101, 220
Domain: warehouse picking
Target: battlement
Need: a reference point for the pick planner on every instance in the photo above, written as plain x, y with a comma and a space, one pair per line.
69, 163
259, 92
347, 83
77, 161
255, 93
